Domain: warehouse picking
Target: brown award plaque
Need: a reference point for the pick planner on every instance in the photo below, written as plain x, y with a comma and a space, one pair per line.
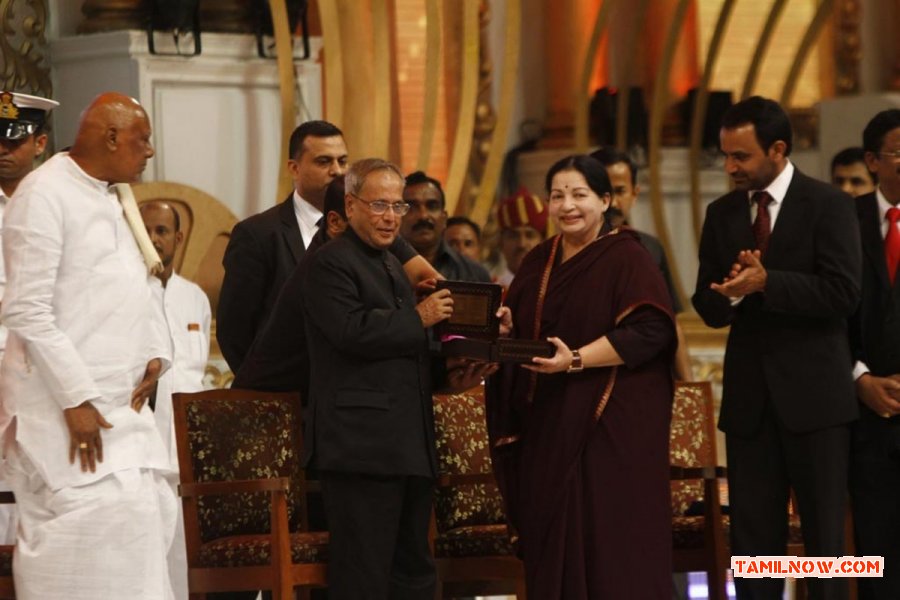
475, 307
473, 329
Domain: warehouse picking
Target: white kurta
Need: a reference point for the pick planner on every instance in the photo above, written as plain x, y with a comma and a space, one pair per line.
188, 316
82, 326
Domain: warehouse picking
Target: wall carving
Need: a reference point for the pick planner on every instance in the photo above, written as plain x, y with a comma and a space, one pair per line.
23, 47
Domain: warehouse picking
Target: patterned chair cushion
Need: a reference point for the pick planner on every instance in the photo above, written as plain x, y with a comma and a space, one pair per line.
261, 442
687, 532
689, 443
255, 550
462, 447
6, 559
474, 540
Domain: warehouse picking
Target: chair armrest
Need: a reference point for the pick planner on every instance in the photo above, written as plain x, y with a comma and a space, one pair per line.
7, 498
217, 488
447, 480
708, 472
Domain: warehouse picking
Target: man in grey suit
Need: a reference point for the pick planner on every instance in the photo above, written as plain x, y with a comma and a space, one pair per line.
372, 435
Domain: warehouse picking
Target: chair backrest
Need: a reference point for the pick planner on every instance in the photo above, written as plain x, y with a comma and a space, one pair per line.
228, 435
692, 441
463, 448
206, 224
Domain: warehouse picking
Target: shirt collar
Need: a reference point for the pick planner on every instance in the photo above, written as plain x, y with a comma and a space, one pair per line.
778, 188
306, 212
883, 204
80, 173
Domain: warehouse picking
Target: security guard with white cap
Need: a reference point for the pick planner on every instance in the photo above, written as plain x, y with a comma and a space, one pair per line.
22, 139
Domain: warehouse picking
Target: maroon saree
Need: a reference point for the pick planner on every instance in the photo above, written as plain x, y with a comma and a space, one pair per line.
582, 458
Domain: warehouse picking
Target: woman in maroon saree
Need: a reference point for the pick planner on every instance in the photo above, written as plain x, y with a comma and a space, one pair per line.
582, 455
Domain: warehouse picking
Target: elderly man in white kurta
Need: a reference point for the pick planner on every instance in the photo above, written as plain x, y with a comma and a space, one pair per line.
188, 316
86, 344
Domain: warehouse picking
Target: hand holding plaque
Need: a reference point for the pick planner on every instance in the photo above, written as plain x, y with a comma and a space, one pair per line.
473, 330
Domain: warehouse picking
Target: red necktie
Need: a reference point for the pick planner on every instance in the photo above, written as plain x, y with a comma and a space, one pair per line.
762, 225
892, 242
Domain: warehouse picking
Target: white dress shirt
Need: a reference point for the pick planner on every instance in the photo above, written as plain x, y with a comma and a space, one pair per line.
188, 317
307, 218
777, 189
860, 368
82, 324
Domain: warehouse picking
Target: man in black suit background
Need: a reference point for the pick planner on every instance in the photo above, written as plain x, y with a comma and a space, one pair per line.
875, 341
278, 360
372, 438
265, 248
423, 227
779, 264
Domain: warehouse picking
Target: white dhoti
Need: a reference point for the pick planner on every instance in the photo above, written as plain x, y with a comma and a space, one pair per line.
107, 540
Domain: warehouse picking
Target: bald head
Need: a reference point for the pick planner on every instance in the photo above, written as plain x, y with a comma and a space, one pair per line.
164, 227
113, 139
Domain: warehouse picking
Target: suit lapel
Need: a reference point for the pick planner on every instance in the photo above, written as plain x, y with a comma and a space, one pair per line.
290, 229
872, 242
739, 227
790, 216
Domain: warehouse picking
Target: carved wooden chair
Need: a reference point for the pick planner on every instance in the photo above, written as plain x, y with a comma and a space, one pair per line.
473, 552
700, 541
7, 589
244, 494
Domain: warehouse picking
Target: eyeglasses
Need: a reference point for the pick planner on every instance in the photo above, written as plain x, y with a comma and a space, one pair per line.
894, 154
379, 207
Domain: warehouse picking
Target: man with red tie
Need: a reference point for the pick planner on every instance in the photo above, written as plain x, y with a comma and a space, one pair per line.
875, 342
781, 266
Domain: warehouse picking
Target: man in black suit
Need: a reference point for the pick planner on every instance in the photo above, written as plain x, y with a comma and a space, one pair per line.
265, 248
779, 264
372, 438
875, 341
622, 171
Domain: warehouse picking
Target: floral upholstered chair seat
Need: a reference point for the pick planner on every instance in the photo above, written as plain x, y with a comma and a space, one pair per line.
472, 547
254, 550
468, 515
244, 493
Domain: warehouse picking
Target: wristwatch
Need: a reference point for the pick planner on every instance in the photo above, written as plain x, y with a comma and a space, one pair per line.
576, 365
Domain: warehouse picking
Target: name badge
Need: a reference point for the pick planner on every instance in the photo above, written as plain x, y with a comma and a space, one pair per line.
193, 326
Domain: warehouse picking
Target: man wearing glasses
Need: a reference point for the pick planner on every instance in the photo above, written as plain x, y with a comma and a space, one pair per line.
423, 227
372, 436
875, 343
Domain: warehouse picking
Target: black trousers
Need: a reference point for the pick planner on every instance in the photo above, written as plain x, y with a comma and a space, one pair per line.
378, 548
762, 470
875, 496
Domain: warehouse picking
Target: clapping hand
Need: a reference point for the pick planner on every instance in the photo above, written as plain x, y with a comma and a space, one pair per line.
747, 276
